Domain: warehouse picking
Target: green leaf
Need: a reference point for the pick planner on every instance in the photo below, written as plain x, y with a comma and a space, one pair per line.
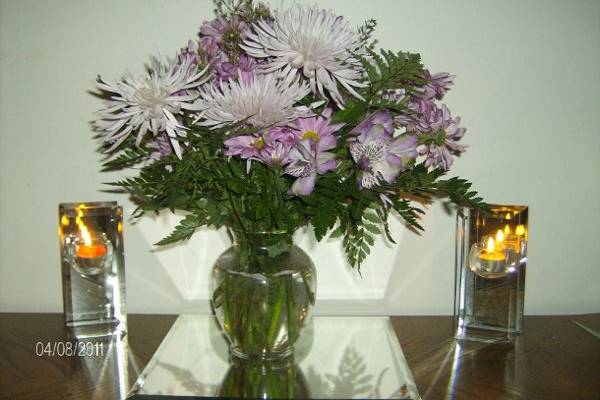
353, 111
183, 231
336, 233
128, 158
372, 228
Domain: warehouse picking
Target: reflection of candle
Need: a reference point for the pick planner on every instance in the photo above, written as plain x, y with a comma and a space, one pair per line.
514, 240
520, 230
88, 249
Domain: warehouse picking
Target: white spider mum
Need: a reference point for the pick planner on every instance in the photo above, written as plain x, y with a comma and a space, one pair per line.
259, 101
311, 42
150, 103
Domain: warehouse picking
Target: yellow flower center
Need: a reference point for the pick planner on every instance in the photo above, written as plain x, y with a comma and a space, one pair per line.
311, 135
259, 143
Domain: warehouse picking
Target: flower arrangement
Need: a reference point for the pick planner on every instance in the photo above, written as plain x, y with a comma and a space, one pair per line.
276, 119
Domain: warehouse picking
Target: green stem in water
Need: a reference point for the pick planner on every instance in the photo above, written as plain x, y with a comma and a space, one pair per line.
276, 315
291, 309
235, 213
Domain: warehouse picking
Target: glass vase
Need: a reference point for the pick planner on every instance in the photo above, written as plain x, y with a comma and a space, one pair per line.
263, 290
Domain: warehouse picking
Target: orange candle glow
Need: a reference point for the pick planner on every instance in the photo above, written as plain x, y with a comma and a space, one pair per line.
91, 251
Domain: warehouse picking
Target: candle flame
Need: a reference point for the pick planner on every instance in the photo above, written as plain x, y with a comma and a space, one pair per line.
520, 230
85, 233
490, 245
499, 236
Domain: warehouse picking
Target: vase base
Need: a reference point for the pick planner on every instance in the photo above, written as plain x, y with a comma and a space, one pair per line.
264, 356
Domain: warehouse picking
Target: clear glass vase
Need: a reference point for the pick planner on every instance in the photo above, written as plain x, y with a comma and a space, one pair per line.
263, 290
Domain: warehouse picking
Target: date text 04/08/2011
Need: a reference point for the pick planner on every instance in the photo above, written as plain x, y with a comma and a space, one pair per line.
69, 349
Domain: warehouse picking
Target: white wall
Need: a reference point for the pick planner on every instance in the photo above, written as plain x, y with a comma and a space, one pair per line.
527, 88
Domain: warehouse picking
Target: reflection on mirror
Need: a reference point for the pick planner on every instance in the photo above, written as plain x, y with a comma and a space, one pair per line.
342, 357
264, 379
109, 365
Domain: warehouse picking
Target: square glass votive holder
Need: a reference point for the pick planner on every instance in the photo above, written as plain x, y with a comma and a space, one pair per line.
490, 266
93, 275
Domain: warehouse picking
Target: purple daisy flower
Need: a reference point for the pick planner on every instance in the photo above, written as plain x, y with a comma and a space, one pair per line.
209, 51
160, 146
190, 54
378, 155
437, 85
310, 156
440, 140
216, 29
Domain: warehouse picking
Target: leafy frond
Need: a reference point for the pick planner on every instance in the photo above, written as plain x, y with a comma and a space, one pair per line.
365, 32
458, 191
183, 231
128, 158
387, 70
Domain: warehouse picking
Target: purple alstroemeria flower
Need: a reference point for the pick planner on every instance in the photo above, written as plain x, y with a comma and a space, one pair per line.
380, 120
275, 154
440, 140
378, 155
244, 146
310, 156
278, 143
281, 134
271, 147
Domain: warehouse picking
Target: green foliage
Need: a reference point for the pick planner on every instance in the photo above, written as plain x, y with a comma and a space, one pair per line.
365, 31
457, 189
128, 158
183, 231
387, 70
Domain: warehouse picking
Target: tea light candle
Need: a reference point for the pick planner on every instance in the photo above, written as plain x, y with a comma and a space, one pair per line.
491, 260
493, 251
91, 251
88, 249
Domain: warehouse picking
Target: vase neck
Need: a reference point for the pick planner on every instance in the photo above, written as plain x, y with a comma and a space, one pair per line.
264, 241
264, 252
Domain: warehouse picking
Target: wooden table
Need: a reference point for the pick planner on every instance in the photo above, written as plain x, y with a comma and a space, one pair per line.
553, 359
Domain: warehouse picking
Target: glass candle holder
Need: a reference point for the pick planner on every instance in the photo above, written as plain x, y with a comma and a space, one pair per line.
491, 258
93, 276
